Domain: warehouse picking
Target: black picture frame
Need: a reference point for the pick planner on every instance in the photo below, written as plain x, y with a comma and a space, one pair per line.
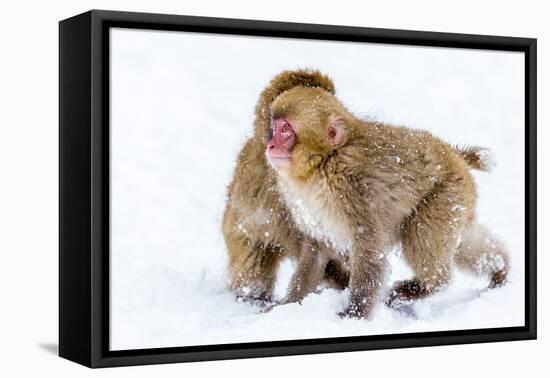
84, 188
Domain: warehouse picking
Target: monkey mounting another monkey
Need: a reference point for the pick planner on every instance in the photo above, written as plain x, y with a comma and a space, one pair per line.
361, 187
257, 226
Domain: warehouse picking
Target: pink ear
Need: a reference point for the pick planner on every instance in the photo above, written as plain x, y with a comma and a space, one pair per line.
336, 131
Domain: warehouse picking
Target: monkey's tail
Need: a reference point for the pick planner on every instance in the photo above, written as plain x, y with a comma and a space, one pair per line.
479, 158
481, 253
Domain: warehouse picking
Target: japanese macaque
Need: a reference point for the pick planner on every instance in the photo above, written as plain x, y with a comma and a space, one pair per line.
361, 187
258, 229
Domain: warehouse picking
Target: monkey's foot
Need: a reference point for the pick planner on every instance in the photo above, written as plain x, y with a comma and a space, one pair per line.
268, 307
404, 292
256, 300
498, 279
352, 312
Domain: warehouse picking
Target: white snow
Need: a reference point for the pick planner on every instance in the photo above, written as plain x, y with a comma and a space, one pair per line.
182, 106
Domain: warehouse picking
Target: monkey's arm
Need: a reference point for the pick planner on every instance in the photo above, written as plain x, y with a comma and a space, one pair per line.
309, 272
367, 264
252, 269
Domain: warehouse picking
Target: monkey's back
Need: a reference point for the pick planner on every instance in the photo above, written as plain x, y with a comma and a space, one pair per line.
390, 170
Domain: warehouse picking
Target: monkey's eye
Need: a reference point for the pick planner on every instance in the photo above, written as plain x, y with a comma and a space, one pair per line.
285, 128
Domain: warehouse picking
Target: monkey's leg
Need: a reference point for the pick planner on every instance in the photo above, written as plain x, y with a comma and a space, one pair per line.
481, 253
367, 267
252, 268
336, 274
308, 274
429, 238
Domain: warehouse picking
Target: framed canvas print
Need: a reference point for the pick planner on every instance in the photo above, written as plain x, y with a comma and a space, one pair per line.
235, 188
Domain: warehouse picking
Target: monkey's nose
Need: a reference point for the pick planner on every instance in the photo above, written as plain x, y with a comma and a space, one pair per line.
271, 146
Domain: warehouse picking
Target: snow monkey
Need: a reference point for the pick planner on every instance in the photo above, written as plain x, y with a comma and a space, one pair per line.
362, 186
258, 229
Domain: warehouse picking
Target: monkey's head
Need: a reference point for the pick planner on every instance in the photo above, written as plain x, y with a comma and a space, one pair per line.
308, 125
281, 83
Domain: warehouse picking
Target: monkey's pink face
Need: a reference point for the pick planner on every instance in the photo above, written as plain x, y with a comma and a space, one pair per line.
281, 144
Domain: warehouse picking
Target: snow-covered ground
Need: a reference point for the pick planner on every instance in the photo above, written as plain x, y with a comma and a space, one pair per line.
182, 106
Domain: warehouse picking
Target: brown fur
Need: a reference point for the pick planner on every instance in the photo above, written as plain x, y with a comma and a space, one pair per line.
476, 157
382, 185
257, 226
